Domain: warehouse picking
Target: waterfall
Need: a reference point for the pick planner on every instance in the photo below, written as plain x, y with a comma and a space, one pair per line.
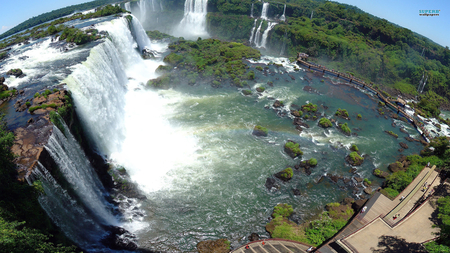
77, 170
140, 35
99, 83
258, 34
251, 12
128, 6
252, 33
270, 26
312, 13
143, 10
265, 8
66, 212
193, 23
283, 17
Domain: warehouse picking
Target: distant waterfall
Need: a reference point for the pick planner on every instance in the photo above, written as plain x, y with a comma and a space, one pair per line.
193, 23
143, 10
256, 37
283, 17
265, 8
263, 43
252, 33
251, 13
128, 6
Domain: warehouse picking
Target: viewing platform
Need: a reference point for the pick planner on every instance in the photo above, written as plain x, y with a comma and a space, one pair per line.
274, 246
412, 212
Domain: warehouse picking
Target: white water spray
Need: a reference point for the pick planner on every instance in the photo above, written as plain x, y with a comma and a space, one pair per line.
127, 6
193, 23
143, 9
251, 12
265, 8
283, 17
252, 33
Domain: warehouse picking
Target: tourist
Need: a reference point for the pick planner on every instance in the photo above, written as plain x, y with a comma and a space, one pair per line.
363, 209
402, 198
247, 247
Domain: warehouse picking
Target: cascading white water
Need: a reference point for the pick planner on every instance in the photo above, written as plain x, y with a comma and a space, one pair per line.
143, 10
77, 170
136, 127
252, 33
97, 84
66, 212
193, 23
128, 6
283, 17
258, 34
251, 13
270, 26
140, 35
264, 11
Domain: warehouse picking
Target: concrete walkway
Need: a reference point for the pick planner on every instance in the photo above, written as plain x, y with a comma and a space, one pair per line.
413, 223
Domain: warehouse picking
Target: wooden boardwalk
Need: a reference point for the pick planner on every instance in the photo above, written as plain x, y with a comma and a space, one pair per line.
274, 246
378, 217
368, 87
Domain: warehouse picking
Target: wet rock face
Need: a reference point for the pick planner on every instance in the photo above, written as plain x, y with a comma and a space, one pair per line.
253, 237
271, 183
119, 239
148, 53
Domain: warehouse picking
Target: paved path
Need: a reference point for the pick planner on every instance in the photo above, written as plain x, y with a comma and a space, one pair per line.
273, 246
413, 224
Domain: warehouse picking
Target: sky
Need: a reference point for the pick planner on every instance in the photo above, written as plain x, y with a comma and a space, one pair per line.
405, 13
401, 12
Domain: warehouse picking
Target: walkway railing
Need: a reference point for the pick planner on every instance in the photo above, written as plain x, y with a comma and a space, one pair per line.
352, 79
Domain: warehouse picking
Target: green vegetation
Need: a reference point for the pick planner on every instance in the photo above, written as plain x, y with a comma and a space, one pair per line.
342, 113
28, 103
34, 21
209, 60
56, 26
325, 123
355, 157
24, 226
43, 106
7, 93
293, 148
354, 148
443, 243
157, 35
398, 181
313, 161
367, 181
78, 36
287, 173
392, 134
259, 68
359, 116
344, 127
260, 89
283, 210
262, 129
344, 38
247, 92
310, 107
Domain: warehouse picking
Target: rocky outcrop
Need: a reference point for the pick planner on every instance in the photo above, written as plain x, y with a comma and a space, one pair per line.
396, 166
403, 145
271, 183
119, 239
285, 174
15, 72
379, 173
217, 246
148, 53
292, 149
354, 159
260, 131
278, 104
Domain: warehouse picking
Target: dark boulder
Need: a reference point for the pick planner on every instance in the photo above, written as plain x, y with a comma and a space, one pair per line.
2, 80
278, 104
396, 166
148, 53
119, 239
15, 72
358, 204
271, 183
253, 237
285, 174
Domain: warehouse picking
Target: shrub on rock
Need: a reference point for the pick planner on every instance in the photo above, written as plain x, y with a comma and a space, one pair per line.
260, 131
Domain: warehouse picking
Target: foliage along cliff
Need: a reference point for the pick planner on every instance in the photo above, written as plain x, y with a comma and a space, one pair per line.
342, 37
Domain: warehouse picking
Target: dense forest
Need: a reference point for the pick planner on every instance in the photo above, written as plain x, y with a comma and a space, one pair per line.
45, 17
344, 38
